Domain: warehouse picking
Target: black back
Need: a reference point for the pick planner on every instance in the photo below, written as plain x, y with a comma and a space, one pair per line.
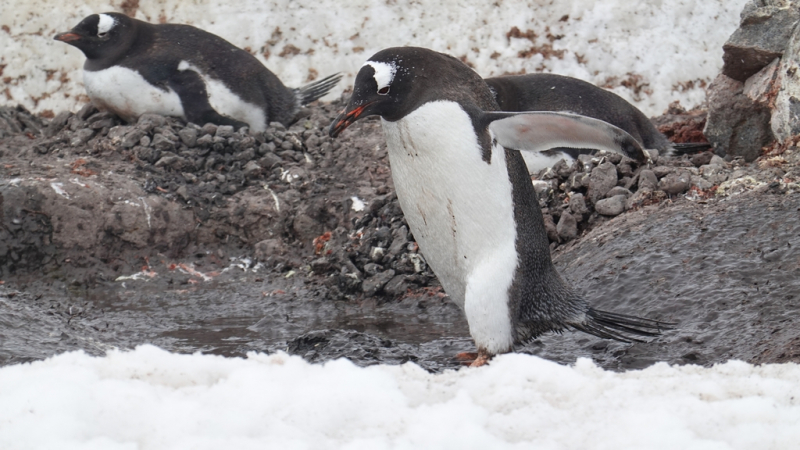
549, 92
155, 51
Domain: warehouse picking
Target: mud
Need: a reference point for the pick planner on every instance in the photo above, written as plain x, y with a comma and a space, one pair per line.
106, 245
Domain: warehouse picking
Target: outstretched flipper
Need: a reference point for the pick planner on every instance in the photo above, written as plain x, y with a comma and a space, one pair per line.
317, 89
542, 131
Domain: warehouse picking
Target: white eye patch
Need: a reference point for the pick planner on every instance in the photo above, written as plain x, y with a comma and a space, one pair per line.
105, 24
384, 73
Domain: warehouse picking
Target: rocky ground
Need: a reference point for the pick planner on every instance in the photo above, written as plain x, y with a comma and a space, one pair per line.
203, 238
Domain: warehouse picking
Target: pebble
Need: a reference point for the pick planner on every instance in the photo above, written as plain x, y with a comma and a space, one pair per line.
612, 206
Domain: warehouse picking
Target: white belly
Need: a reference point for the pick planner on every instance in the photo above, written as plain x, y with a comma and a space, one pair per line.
127, 94
461, 213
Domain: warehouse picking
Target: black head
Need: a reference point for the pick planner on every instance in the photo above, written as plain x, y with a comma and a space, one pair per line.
396, 81
100, 35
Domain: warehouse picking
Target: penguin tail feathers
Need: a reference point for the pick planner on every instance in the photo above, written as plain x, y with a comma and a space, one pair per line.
620, 327
318, 89
690, 148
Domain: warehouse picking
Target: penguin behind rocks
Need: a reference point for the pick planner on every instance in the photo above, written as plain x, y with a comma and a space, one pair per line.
134, 67
468, 199
550, 92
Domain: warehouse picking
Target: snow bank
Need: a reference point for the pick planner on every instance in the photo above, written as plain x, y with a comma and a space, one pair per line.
649, 52
152, 399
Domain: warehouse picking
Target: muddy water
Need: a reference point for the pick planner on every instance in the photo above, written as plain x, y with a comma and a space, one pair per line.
728, 274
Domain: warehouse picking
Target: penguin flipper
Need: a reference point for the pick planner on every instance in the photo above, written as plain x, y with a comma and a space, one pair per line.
620, 327
191, 89
540, 131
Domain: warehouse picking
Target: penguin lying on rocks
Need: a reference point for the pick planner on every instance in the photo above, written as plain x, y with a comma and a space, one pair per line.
134, 67
468, 199
550, 92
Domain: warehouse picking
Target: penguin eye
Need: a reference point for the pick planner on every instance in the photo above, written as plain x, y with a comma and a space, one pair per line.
384, 91
102, 35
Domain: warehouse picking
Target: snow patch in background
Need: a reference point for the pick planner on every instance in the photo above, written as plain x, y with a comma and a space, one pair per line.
151, 399
650, 53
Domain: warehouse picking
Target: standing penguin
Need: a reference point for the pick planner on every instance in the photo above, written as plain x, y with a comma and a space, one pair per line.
468, 199
134, 67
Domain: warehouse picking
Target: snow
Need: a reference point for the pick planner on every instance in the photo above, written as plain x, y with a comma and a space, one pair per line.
151, 399
663, 50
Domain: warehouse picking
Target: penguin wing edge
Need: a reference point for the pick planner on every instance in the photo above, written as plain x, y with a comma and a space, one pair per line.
541, 131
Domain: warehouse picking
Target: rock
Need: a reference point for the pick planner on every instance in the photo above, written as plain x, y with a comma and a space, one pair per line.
618, 190
224, 131
785, 121
57, 124
375, 283
149, 121
577, 204
209, 129
701, 159
601, 180
701, 183
320, 265
675, 183
764, 30
550, 228
662, 171
81, 137
715, 174
399, 241
396, 287
567, 227
647, 180
306, 228
252, 169
268, 249
612, 206
162, 143
188, 136
759, 87
736, 125
717, 161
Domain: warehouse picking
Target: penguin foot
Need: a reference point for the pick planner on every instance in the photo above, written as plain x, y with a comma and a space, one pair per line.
474, 359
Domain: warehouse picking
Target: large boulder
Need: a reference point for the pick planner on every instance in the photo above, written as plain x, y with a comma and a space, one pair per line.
764, 30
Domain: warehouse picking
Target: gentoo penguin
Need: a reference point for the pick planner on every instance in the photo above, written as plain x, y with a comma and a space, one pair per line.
468, 199
134, 67
550, 92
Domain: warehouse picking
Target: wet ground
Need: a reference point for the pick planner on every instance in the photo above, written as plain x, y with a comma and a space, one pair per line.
727, 273
229, 252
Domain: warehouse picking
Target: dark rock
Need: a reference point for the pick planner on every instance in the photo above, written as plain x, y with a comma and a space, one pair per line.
321, 265
149, 121
647, 180
676, 183
57, 124
567, 227
209, 129
163, 143
612, 206
224, 131
550, 228
577, 204
205, 141
396, 287
188, 136
618, 190
662, 171
701, 159
602, 179
736, 125
252, 169
81, 137
765, 28
375, 283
